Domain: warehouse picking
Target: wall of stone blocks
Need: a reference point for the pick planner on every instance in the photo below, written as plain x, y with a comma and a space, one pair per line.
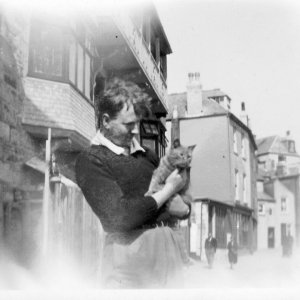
16, 145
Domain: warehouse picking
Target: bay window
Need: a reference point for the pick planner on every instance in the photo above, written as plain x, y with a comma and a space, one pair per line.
59, 54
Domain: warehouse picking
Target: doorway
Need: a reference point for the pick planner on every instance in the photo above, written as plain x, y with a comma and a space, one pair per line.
271, 237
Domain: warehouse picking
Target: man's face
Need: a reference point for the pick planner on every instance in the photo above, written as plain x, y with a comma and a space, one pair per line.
123, 128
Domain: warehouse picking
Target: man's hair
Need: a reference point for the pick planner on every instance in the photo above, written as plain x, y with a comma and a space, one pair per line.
117, 93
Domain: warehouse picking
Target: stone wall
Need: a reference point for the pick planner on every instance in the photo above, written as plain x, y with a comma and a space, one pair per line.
16, 146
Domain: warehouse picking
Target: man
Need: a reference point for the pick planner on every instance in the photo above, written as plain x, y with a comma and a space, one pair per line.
114, 174
210, 249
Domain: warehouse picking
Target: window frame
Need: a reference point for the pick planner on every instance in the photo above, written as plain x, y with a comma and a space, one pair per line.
235, 144
244, 188
283, 206
69, 36
261, 211
243, 146
157, 134
36, 28
237, 185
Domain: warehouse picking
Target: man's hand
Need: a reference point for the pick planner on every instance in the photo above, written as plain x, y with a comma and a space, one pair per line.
176, 207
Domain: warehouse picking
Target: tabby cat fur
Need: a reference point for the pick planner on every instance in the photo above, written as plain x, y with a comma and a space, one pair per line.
179, 157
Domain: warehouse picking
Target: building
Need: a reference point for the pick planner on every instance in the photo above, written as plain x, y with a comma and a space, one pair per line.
52, 65
278, 154
223, 173
278, 201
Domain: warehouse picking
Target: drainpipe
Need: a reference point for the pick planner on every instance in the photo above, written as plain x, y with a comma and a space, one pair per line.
46, 196
201, 230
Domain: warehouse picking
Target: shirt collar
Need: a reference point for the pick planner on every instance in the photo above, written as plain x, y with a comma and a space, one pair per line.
100, 139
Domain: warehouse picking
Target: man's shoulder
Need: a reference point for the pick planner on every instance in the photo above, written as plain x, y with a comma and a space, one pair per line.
151, 156
93, 154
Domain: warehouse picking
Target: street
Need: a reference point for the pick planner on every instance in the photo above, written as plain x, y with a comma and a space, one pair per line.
265, 269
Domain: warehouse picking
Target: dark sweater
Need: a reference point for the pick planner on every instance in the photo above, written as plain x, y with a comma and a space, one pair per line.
114, 186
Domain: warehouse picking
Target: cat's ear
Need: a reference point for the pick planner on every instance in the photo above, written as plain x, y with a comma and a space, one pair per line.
191, 148
176, 143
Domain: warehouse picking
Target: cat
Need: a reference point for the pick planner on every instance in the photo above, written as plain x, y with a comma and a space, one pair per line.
179, 157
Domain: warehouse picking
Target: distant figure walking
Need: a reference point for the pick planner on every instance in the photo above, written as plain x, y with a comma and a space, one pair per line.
232, 252
210, 249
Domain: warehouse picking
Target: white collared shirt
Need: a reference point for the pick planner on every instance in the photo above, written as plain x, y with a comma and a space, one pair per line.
100, 139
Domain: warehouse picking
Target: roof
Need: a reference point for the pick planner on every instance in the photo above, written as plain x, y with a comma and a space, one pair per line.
214, 93
261, 174
273, 144
264, 144
262, 196
209, 106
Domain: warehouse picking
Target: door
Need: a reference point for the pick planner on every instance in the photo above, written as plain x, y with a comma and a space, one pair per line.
271, 237
283, 232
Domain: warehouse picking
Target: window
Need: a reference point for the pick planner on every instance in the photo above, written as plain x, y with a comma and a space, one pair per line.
46, 51
291, 145
261, 208
283, 203
237, 184
221, 215
59, 54
272, 164
235, 140
153, 136
244, 188
80, 62
243, 146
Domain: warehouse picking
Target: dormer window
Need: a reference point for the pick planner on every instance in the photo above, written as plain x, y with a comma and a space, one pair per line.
291, 147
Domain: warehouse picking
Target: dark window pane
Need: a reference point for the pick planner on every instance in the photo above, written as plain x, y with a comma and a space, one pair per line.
154, 129
72, 61
147, 128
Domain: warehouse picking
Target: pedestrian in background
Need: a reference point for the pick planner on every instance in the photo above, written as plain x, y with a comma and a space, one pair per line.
232, 252
210, 249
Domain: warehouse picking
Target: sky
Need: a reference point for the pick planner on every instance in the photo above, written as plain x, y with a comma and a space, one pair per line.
248, 49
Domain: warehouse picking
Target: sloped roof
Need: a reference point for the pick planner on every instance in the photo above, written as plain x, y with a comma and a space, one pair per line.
262, 174
262, 196
264, 144
214, 93
272, 144
210, 107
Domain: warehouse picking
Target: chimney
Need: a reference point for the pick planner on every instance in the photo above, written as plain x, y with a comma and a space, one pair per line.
243, 116
175, 127
194, 95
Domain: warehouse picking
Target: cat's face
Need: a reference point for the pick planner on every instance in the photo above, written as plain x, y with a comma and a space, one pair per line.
181, 156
